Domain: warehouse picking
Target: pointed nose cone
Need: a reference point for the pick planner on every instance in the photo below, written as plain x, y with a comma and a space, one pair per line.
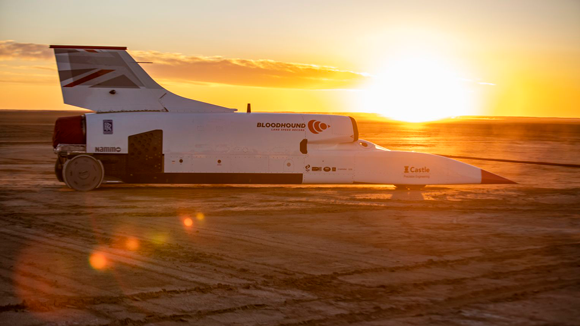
489, 178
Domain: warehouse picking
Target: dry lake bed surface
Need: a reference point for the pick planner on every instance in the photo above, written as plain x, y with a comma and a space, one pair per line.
298, 255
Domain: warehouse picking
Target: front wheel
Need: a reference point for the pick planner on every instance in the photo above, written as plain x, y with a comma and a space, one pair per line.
83, 173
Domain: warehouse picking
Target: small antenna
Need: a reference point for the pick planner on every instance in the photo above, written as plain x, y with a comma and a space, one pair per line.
249, 108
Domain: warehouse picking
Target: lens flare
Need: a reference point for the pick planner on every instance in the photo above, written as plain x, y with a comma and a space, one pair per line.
98, 261
132, 244
188, 222
200, 216
159, 238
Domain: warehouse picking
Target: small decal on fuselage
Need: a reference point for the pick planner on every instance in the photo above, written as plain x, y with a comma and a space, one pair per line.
416, 172
282, 126
107, 127
317, 127
107, 149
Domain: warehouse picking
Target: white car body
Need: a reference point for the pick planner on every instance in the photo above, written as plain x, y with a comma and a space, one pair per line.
143, 133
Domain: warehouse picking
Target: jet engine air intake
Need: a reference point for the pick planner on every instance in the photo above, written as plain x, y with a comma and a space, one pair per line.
304, 146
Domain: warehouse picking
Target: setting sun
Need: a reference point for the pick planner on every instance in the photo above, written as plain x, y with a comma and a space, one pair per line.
419, 88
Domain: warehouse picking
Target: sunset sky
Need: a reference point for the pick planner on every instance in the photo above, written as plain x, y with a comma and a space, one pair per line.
408, 60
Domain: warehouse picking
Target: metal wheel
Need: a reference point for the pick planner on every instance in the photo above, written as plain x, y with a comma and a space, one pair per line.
83, 173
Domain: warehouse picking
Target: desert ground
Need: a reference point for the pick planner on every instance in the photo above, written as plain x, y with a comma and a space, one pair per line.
290, 255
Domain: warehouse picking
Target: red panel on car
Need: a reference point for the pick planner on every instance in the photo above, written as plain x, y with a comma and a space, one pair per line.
68, 130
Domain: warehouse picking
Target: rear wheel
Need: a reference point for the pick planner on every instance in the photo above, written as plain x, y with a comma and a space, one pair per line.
58, 169
83, 173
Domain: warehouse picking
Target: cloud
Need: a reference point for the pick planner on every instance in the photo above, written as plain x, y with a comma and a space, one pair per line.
10, 50
178, 67
264, 73
29, 78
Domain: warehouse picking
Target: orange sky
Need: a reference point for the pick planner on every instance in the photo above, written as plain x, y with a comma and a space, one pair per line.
417, 60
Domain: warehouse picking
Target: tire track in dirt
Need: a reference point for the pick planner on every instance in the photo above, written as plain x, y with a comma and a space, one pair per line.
120, 256
69, 245
407, 310
516, 253
320, 284
39, 300
489, 257
489, 294
31, 273
185, 318
494, 294
242, 238
85, 301
61, 298
347, 293
331, 283
217, 260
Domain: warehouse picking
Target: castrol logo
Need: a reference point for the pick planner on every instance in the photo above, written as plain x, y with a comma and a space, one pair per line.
317, 127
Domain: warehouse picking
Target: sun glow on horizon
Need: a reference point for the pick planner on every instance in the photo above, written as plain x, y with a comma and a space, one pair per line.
418, 89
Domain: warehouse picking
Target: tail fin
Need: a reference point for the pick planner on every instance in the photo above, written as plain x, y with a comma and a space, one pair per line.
108, 79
